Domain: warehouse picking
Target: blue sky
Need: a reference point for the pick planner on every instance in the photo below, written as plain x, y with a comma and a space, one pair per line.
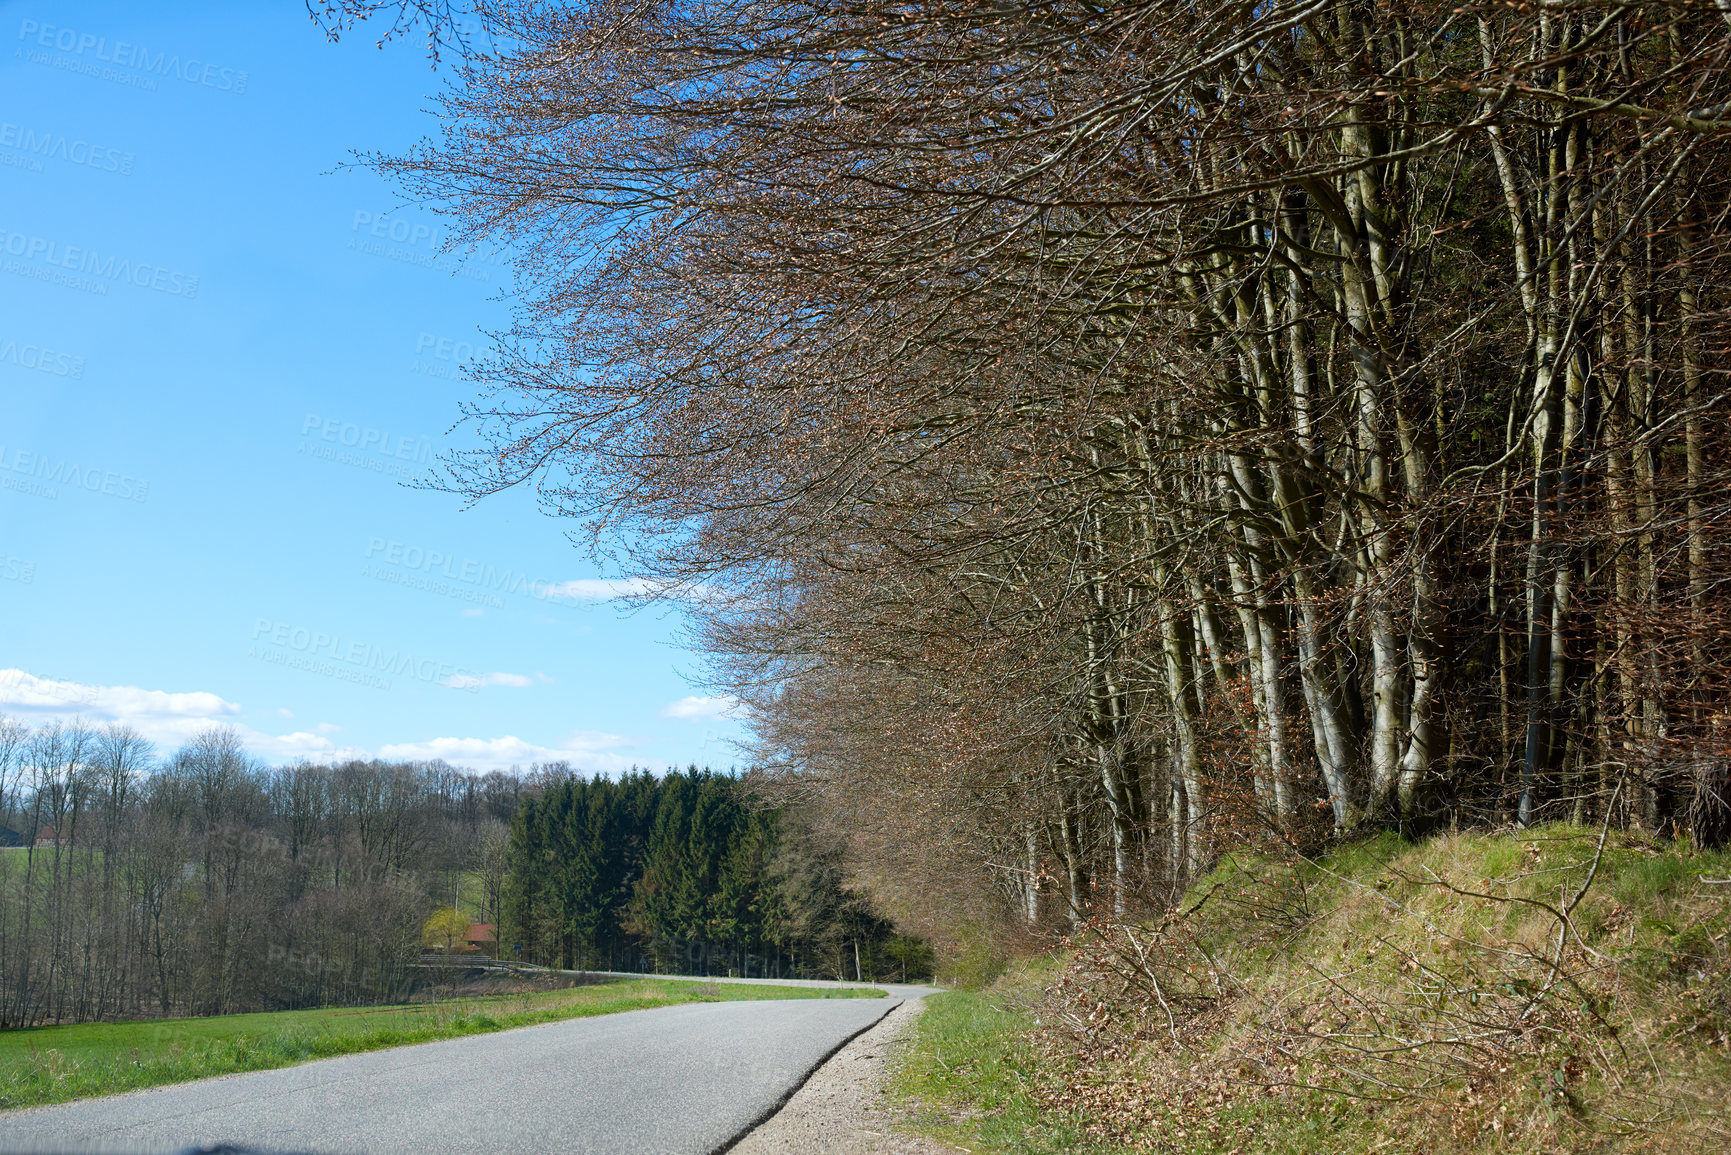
221, 355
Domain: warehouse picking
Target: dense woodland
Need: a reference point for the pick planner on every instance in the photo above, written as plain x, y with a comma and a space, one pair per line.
205, 882
1092, 436
1086, 438
683, 874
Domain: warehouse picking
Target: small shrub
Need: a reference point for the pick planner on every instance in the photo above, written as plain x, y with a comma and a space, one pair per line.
975, 960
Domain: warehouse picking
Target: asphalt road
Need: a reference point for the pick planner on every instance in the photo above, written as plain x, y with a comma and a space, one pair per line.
682, 1079
895, 990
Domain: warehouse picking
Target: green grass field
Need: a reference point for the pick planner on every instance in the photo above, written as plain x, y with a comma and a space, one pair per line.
55, 1064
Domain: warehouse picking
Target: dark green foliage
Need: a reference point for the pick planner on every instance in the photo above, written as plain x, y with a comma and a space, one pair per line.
683, 875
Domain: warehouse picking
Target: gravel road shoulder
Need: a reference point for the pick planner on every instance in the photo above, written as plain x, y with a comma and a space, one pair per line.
844, 1108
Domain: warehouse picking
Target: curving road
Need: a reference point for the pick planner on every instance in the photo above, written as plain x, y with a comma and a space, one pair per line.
684, 1079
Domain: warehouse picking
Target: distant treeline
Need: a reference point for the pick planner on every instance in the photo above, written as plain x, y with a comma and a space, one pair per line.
205, 882
137, 884
684, 874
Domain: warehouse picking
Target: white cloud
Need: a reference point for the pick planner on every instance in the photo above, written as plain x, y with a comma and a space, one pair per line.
597, 589
300, 744
284, 712
585, 750
170, 719
25, 691
610, 589
166, 718
498, 678
723, 706
163, 717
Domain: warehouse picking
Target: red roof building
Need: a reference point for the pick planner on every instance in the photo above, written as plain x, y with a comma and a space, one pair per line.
482, 938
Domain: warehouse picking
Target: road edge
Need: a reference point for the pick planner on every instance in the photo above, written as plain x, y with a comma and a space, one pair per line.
793, 1089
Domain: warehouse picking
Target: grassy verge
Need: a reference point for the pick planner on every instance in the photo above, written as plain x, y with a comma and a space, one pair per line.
55, 1064
977, 1077
968, 1069
1392, 997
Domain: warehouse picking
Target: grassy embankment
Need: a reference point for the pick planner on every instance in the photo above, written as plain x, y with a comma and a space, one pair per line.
55, 1064
1391, 997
